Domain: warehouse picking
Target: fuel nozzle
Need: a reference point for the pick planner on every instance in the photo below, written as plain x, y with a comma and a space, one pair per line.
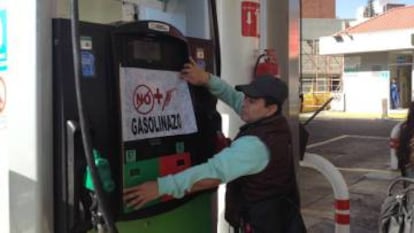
104, 171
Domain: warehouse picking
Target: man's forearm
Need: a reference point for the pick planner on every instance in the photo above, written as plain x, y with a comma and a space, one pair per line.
226, 93
205, 184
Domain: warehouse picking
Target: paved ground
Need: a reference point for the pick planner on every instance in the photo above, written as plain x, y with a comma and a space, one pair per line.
359, 148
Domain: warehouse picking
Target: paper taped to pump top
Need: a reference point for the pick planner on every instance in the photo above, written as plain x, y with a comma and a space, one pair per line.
154, 104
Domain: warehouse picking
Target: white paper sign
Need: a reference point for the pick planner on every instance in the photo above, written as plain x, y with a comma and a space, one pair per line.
154, 103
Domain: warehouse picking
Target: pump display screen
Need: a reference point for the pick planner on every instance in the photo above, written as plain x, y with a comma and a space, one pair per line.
146, 50
161, 53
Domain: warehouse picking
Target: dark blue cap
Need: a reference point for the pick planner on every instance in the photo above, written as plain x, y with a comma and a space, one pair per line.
266, 86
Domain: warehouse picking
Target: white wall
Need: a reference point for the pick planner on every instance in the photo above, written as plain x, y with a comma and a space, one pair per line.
366, 80
197, 18
238, 55
4, 160
98, 11
367, 61
189, 16
28, 120
364, 91
367, 42
312, 29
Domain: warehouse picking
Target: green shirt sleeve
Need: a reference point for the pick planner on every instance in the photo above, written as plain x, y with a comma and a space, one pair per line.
226, 93
247, 155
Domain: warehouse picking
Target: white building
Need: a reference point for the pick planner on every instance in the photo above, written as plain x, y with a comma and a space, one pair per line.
375, 51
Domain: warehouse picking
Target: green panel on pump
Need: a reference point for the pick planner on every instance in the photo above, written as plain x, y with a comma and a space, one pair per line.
136, 173
193, 217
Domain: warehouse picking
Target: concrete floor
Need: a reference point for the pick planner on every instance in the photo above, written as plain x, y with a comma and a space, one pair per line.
363, 161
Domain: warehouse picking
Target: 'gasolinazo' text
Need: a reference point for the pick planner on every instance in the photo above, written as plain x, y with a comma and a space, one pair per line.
155, 124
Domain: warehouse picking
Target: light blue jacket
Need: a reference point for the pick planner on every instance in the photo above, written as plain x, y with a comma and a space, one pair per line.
245, 156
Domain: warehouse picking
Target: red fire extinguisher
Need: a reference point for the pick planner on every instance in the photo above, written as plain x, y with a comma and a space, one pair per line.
269, 65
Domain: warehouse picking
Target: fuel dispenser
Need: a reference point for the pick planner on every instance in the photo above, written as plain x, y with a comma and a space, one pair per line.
144, 121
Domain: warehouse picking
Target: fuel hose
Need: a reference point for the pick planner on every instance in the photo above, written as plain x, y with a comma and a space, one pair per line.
216, 35
86, 138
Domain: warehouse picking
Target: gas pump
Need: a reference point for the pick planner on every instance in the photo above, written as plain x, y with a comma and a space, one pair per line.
163, 132
42, 169
144, 120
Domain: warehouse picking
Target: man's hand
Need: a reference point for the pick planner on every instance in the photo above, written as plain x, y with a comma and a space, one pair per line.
138, 196
194, 74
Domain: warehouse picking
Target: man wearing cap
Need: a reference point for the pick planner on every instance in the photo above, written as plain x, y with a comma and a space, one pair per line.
262, 195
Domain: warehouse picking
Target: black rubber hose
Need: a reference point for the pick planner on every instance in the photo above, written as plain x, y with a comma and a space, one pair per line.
216, 36
86, 138
257, 64
300, 46
318, 111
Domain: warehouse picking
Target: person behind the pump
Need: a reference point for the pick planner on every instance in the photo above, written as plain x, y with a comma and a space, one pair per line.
258, 165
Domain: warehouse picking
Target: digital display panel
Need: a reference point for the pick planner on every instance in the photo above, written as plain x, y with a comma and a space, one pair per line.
146, 50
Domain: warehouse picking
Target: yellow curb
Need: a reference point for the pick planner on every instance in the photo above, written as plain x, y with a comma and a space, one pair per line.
398, 115
348, 115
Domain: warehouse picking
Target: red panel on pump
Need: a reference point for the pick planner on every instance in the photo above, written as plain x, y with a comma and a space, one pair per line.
250, 18
172, 164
